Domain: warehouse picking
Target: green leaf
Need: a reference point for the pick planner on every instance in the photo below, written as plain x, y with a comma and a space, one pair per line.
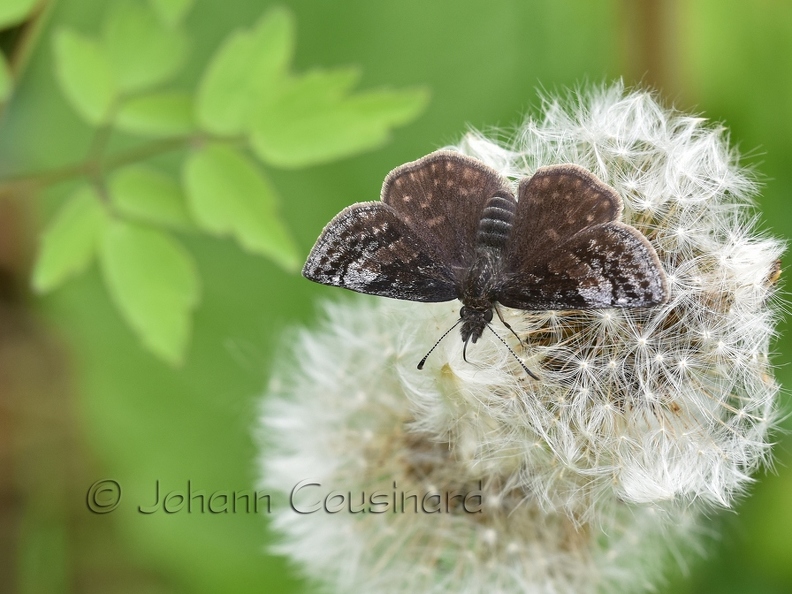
84, 75
161, 114
171, 12
312, 121
69, 242
153, 282
6, 80
246, 71
228, 195
13, 12
142, 50
147, 195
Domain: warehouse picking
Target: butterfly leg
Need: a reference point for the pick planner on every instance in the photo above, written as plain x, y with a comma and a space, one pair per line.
505, 323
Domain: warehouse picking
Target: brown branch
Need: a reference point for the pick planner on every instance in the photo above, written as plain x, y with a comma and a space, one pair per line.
649, 38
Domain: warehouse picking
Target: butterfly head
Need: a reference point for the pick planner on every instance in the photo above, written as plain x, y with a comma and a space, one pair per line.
474, 319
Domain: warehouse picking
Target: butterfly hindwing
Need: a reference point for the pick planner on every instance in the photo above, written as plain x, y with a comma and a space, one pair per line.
368, 248
553, 205
441, 197
605, 265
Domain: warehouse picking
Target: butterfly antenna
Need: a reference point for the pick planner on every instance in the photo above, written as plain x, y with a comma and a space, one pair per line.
426, 356
505, 323
528, 371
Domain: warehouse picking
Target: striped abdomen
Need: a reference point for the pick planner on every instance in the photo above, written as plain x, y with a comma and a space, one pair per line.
496, 222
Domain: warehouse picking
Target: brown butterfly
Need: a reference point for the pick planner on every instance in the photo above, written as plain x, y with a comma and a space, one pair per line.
448, 227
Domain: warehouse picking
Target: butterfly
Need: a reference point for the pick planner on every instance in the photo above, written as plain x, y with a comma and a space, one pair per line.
448, 227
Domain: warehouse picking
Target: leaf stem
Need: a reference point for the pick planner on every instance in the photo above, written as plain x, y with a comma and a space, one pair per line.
29, 182
31, 33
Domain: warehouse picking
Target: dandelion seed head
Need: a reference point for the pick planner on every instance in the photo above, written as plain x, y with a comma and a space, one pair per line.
683, 188
641, 420
314, 433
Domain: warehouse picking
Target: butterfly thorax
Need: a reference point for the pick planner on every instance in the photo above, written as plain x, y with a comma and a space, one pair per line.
478, 296
480, 289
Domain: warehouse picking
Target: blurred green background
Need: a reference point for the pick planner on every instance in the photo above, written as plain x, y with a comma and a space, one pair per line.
81, 400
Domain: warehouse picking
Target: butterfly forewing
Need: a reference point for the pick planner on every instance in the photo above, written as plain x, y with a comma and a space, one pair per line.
442, 197
607, 265
369, 249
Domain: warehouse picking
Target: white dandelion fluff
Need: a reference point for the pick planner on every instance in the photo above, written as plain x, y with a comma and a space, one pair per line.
641, 420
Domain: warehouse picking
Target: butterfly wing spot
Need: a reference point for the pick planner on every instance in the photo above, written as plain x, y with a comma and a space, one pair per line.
390, 254
596, 292
568, 264
360, 276
382, 229
552, 235
436, 221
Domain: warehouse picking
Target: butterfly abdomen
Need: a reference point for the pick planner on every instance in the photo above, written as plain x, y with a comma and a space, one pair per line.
496, 222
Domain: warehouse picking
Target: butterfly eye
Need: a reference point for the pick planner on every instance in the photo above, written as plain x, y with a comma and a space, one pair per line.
488, 315
463, 312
